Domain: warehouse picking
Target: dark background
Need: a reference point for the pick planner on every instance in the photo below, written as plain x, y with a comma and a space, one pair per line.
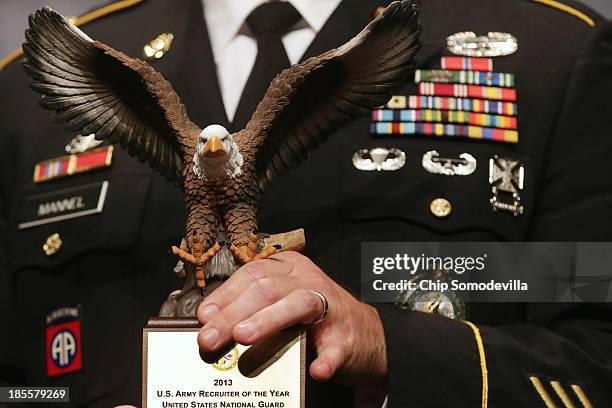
13, 15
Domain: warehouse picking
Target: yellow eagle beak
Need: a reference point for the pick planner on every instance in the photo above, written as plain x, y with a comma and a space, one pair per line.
214, 148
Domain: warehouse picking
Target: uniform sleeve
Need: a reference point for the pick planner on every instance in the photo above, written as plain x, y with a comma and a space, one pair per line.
4, 293
6, 311
558, 350
9, 343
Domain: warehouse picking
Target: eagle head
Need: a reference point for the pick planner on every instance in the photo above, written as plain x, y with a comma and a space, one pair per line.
217, 157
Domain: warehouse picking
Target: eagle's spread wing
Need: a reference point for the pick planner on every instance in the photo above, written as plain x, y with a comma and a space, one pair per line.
308, 101
96, 89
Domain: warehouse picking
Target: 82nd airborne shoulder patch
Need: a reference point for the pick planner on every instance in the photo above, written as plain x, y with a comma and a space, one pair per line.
63, 341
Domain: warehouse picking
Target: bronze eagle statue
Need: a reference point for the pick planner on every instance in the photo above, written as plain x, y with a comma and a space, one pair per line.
97, 89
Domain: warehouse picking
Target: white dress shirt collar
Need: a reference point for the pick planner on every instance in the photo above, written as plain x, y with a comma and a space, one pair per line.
231, 14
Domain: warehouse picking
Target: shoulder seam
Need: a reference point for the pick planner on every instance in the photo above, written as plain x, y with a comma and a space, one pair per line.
569, 10
84, 19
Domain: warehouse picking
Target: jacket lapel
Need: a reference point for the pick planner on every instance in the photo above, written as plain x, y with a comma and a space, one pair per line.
350, 18
344, 23
433, 45
199, 75
197, 71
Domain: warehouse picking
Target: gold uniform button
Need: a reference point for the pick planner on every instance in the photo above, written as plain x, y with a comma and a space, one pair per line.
441, 207
52, 245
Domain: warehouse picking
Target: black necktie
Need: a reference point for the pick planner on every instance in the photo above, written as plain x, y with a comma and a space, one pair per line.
268, 23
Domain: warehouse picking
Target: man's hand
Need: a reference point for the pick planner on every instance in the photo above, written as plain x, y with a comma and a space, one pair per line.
266, 296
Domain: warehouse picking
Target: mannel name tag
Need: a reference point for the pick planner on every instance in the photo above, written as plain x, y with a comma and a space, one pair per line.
64, 204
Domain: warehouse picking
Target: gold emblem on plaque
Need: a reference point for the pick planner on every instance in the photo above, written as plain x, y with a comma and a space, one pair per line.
228, 361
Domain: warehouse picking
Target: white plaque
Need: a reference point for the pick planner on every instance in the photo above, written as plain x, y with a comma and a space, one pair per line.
174, 374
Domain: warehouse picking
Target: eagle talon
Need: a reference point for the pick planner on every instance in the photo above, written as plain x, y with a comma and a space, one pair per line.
244, 254
266, 252
186, 257
240, 253
252, 245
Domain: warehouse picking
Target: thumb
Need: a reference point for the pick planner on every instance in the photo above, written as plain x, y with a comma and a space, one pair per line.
328, 361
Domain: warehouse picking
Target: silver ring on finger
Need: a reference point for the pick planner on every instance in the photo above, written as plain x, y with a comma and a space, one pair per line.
325, 305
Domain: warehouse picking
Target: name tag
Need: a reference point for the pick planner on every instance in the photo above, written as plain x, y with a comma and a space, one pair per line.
64, 204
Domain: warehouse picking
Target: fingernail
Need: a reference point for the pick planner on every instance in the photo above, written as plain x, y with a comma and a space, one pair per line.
210, 337
209, 311
246, 329
324, 369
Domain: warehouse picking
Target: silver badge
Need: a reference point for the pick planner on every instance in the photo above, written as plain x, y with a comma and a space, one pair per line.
82, 143
463, 166
379, 158
493, 44
447, 304
506, 176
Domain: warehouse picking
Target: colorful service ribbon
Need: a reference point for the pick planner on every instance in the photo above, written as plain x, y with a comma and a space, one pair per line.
462, 104
468, 91
464, 99
73, 164
444, 116
442, 129
464, 77
467, 64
